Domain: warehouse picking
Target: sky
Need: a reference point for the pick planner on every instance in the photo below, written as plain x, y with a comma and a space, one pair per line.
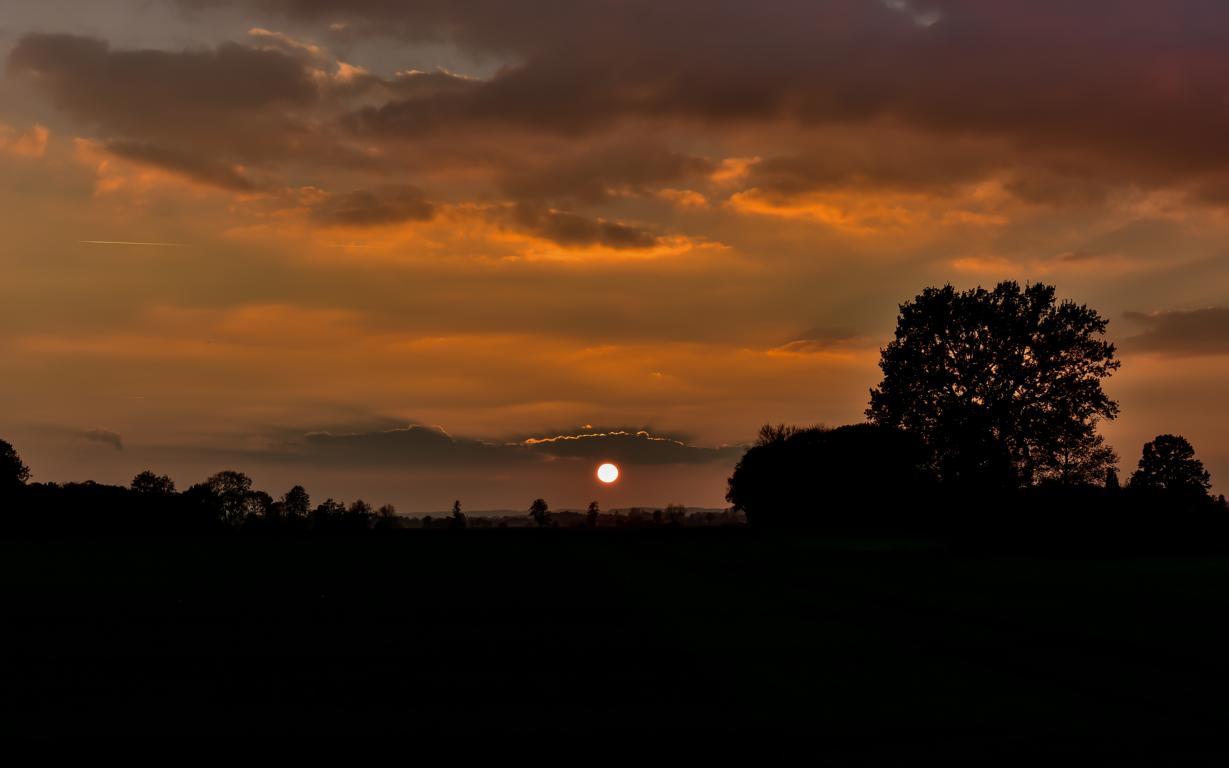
420, 250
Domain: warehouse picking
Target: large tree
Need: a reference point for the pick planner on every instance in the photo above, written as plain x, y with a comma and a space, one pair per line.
1168, 464
1001, 384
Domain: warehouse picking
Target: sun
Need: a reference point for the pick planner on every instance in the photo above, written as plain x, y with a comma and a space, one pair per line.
608, 473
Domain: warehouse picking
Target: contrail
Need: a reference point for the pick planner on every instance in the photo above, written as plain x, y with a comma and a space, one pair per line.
126, 242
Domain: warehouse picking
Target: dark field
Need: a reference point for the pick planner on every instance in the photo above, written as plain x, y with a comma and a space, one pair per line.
859, 647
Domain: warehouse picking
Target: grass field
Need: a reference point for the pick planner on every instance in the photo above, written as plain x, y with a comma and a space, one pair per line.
856, 646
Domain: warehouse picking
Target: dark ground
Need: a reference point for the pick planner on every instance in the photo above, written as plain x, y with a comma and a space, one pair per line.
861, 648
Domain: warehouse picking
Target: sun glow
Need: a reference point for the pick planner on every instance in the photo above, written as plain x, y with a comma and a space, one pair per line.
608, 473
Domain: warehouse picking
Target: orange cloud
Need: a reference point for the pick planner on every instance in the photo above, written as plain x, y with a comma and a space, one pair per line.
31, 143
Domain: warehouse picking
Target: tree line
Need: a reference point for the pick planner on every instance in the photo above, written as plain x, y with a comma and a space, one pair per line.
987, 415
227, 501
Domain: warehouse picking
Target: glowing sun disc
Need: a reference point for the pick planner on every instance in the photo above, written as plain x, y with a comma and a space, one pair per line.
608, 473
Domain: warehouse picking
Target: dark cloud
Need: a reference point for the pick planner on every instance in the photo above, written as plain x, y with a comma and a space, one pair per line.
103, 436
574, 230
375, 207
1133, 82
195, 168
231, 100
1196, 332
421, 446
405, 446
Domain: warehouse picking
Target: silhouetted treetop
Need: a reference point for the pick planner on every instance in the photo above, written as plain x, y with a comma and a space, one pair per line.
848, 476
1168, 464
150, 484
1003, 385
458, 517
296, 502
231, 490
775, 433
13, 472
539, 510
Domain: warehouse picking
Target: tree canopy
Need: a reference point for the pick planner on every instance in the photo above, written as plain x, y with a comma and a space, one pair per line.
848, 476
1168, 464
152, 484
1003, 385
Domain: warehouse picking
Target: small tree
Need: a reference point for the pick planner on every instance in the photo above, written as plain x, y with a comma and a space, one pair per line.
457, 520
231, 490
539, 510
592, 515
13, 472
149, 484
258, 504
1168, 464
296, 502
328, 511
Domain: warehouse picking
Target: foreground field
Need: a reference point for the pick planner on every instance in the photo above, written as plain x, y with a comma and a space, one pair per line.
855, 646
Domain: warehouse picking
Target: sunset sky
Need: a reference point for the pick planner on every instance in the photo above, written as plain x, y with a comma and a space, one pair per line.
420, 250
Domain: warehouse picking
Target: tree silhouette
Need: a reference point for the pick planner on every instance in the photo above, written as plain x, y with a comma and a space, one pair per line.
592, 514
862, 475
776, 433
997, 383
458, 517
13, 472
258, 504
1168, 464
1082, 458
359, 515
149, 484
540, 512
296, 502
231, 490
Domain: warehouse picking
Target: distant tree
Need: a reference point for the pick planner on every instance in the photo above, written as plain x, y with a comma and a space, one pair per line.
387, 512
592, 515
231, 490
775, 433
1168, 464
13, 472
540, 512
657, 517
360, 513
676, 514
329, 510
296, 502
995, 382
458, 517
149, 484
428, 521
258, 504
